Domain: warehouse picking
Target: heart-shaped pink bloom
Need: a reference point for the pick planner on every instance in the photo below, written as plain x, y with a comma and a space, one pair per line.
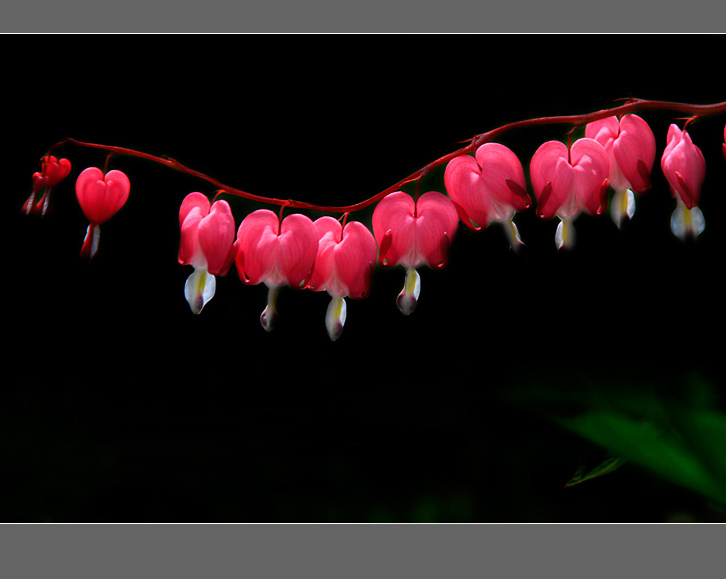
414, 233
276, 253
207, 234
630, 146
343, 267
488, 187
53, 171
345, 259
683, 166
567, 182
101, 196
207, 244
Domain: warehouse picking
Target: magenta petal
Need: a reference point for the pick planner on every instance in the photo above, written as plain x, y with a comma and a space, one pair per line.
354, 259
551, 173
520, 192
256, 245
592, 166
644, 173
437, 218
683, 163
462, 179
544, 197
298, 248
191, 201
384, 246
604, 131
634, 150
328, 231
464, 217
216, 236
393, 218
189, 251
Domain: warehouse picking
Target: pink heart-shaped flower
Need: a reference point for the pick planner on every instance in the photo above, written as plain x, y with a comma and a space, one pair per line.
414, 233
273, 252
345, 259
101, 196
55, 169
568, 181
488, 187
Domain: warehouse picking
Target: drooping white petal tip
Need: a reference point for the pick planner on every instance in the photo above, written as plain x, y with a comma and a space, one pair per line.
687, 223
268, 318
408, 298
199, 289
565, 234
515, 241
622, 206
335, 317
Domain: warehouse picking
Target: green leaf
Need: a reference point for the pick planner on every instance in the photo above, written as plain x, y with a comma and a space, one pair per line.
647, 444
607, 466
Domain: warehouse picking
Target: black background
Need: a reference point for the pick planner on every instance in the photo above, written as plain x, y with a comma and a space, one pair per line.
118, 404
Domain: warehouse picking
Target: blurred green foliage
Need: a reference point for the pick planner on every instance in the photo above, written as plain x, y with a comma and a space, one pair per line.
677, 431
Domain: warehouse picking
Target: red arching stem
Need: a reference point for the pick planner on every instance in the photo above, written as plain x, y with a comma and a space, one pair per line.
633, 105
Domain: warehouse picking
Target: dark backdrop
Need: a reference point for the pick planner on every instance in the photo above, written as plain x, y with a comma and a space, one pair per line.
120, 405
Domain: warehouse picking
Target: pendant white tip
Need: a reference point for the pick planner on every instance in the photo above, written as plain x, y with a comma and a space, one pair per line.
199, 289
335, 317
687, 223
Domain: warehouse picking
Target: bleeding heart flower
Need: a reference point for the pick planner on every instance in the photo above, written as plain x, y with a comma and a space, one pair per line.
630, 146
567, 182
685, 169
100, 197
343, 267
488, 187
207, 238
275, 252
53, 171
414, 233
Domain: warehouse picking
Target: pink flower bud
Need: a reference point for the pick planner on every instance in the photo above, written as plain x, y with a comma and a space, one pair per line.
100, 197
488, 187
684, 167
567, 182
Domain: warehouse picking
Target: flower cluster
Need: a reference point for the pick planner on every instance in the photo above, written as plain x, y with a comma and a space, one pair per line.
338, 256
99, 194
52, 172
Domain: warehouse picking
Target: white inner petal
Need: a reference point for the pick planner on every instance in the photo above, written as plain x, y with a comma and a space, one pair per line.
199, 289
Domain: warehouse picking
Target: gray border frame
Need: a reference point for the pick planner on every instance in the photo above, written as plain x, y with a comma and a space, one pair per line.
359, 551
335, 16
